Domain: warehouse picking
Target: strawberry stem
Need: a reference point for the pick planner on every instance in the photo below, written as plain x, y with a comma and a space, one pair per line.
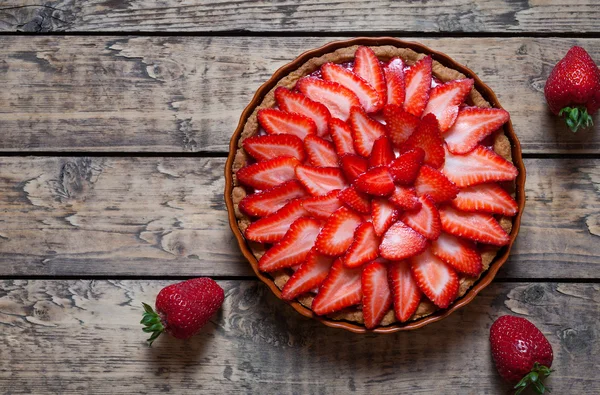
152, 323
534, 378
577, 117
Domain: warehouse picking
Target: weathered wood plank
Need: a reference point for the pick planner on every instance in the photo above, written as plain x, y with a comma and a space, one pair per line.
306, 15
174, 94
84, 336
166, 216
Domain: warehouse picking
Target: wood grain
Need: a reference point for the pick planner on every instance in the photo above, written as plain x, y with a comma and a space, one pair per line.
185, 94
166, 216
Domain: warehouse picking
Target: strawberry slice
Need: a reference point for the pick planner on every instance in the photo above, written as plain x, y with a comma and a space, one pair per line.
461, 254
294, 246
320, 151
474, 226
489, 198
405, 168
364, 248
353, 166
444, 101
435, 184
365, 131
382, 153
341, 288
367, 66
399, 123
338, 99
477, 167
320, 180
426, 221
270, 173
377, 296
427, 136
273, 227
309, 275
268, 147
406, 293
322, 206
297, 103
394, 78
384, 215
405, 198
472, 125
280, 122
337, 233
366, 94
267, 202
418, 85
437, 280
400, 242
341, 134
377, 181
356, 200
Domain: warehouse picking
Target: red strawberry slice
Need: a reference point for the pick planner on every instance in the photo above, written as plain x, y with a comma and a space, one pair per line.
280, 122
270, 173
406, 293
355, 200
268, 147
405, 168
461, 254
405, 198
418, 85
382, 153
341, 134
294, 246
384, 215
320, 180
427, 136
399, 123
474, 226
400, 242
366, 94
338, 99
342, 288
489, 198
477, 167
472, 125
273, 227
337, 233
271, 200
435, 184
367, 66
394, 78
364, 248
320, 151
377, 296
437, 280
365, 131
353, 166
309, 275
377, 181
444, 101
426, 221
297, 103
322, 206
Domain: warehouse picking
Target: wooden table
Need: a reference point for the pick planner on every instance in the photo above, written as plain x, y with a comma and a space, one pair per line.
114, 127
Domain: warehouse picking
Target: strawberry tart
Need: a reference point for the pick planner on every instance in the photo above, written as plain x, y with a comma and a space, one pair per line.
374, 185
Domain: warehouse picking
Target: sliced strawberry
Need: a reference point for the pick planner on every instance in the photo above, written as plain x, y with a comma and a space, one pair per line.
367, 95
418, 85
435, 184
384, 215
427, 136
320, 180
461, 254
437, 280
394, 78
474, 226
280, 122
382, 153
309, 275
406, 293
271, 200
293, 247
400, 242
337, 233
367, 66
472, 125
320, 151
377, 181
341, 288
355, 200
399, 123
322, 206
338, 99
273, 227
489, 198
341, 134
405, 198
377, 296
297, 103
353, 166
405, 168
426, 221
270, 173
364, 248
444, 101
268, 147
477, 167
365, 131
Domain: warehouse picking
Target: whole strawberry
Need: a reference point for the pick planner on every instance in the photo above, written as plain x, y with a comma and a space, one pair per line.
522, 354
573, 89
182, 309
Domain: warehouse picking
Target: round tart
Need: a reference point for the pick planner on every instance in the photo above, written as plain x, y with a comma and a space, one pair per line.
375, 185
